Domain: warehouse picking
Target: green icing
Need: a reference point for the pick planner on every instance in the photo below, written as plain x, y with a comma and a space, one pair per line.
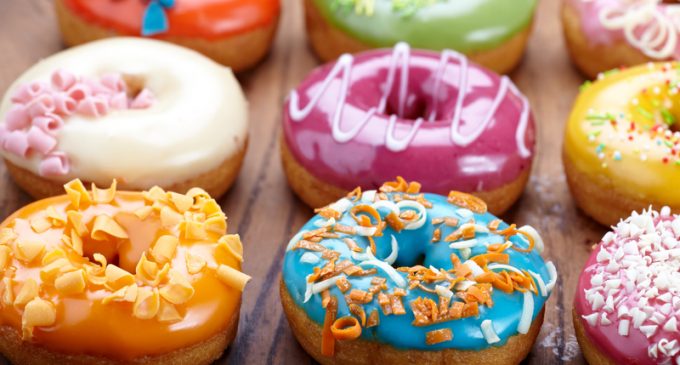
464, 25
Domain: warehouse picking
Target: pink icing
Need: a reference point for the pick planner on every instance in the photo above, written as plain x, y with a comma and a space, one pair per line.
474, 156
40, 109
632, 277
597, 34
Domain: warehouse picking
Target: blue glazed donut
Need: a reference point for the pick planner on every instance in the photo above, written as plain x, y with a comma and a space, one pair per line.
413, 271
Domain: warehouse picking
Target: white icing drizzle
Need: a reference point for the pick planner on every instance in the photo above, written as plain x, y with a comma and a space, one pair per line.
400, 59
645, 25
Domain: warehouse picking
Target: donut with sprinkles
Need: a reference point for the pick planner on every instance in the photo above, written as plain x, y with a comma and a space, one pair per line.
399, 276
622, 143
627, 301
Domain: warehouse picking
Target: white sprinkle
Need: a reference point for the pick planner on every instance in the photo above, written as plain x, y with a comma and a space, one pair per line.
365, 231
624, 326
294, 240
464, 244
665, 211
527, 313
388, 269
604, 320
592, 319
443, 291
325, 223
395, 252
648, 330
422, 213
341, 205
541, 284
368, 196
553, 275
309, 258
671, 325
474, 268
489, 333
538, 241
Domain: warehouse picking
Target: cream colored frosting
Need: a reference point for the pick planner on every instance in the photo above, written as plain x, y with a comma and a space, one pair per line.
199, 117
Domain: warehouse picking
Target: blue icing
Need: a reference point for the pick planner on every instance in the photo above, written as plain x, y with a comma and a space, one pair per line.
415, 247
155, 21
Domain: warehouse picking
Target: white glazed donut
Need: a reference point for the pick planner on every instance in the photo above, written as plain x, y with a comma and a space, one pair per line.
187, 119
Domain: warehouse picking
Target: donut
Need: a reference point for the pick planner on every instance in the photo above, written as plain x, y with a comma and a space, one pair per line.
628, 297
402, 277
606, 34
235, 33
126, 109
368, 118
107, 277
493, 33
621, 143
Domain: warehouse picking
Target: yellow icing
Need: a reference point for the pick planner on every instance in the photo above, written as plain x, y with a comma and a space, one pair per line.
621, 132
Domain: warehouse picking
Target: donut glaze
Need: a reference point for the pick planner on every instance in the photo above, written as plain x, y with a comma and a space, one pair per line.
425, 240
108, 318
621, 130
466, 26
208, 19
650, 26
627, 295
477, 140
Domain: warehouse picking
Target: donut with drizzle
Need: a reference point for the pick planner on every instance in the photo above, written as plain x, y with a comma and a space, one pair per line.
606, 34
126, 109
107, 277
435, 118
406, 277
627, 299
622, 143
235, 33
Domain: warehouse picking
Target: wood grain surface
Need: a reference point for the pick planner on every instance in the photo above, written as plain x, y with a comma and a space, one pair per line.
264, 212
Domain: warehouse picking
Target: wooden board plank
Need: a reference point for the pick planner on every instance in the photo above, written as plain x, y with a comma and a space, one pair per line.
262, 209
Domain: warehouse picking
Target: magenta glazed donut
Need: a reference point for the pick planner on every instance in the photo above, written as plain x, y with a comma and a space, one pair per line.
430, 117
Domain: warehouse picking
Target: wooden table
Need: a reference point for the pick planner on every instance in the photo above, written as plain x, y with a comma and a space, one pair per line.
264, 211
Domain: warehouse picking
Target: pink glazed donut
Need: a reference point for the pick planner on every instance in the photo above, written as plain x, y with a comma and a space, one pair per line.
627, 303
605, 34
429, 117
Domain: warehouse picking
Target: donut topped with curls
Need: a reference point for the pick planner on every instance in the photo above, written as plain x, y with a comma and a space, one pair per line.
415, 271
118, 276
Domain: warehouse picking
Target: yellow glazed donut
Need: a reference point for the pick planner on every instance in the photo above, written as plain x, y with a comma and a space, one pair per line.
141, 111
106, 277
621, 142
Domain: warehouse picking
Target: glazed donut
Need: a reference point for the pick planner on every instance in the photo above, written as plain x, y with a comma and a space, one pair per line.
621, 143
106, 277
235, 33
400, 277
125, 108
628, 295
606, 34
370, 117
492, 33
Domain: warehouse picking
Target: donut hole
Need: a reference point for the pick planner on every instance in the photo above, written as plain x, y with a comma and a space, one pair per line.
134, 84
416, 106
108, 249
125, 252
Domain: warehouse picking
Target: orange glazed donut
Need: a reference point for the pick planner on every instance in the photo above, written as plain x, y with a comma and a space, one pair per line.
236, 33
103, 277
